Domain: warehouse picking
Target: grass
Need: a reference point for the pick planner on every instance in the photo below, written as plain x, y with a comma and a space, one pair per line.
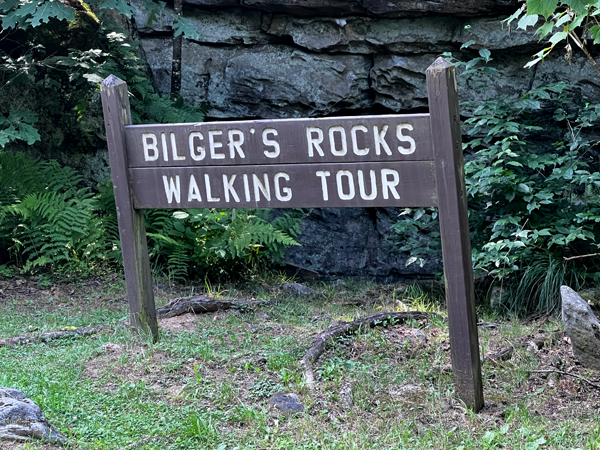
206, 383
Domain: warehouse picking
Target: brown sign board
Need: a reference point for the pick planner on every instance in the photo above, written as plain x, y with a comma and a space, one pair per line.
368, 161
286, 141
410, 183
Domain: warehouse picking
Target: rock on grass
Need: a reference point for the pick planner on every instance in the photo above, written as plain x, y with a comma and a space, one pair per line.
582, 327
22, 420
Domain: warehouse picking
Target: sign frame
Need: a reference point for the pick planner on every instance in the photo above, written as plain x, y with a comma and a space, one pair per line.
447, 169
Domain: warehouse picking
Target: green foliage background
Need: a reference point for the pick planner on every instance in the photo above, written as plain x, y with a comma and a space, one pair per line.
52, 57
533, 186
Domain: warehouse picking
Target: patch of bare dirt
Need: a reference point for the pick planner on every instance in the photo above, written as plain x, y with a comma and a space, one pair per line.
185, 322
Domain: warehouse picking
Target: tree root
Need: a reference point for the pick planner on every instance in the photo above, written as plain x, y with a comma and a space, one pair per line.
319, 341
204, 304
52, 335
561, 372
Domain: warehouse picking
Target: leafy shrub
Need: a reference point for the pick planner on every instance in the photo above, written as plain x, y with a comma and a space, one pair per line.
197, 242
533, 196
48, 222
52, 58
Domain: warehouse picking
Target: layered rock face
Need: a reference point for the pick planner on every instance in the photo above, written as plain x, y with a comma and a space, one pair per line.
313, 58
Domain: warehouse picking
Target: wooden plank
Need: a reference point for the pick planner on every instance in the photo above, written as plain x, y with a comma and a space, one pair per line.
132, 231
286, 141
407, 183
454, 225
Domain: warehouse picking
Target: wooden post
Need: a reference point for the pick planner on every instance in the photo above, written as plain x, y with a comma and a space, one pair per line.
454, 227
132, 230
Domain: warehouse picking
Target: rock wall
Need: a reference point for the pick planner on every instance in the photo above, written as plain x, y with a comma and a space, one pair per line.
299, 58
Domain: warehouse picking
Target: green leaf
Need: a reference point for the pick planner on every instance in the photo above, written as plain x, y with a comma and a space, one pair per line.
93, 78
528, 20
467, 44
184, 27
7, 5
595, 34
485, 54
579, 6
181, 215
543, 7
545, 30
120, 5
51, 9
532, 63
560, 36
28, 133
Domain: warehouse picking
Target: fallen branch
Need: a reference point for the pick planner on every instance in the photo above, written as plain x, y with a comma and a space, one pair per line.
319, 341
52, 335
560, 372
203, 304
176, 307
502, 355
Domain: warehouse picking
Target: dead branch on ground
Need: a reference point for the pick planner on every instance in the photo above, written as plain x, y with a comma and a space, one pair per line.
319, 341
561, 372
204, 304
52, 335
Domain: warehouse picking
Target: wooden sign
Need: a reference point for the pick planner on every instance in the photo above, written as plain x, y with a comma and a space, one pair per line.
369, 161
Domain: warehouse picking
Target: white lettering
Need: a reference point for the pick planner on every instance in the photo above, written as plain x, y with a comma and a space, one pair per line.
172, 188
260, 187
340, 185
355, 149
271, 142
286, 190
193, 191
332, 145
389, 185
380, 140
246, 188
314, 143
361, 185
214, 145
236, 144
228, 188
201, 152
176, 156
209, 196
163, 139
324, 174
150, 146
403, 138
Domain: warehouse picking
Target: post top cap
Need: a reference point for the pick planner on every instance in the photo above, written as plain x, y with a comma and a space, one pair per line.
440, 64
111, 80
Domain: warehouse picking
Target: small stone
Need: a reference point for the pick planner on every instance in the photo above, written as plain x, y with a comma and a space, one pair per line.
286, 402
346, 395
407, 392
110, 347
582, 327
22, 420
298, 289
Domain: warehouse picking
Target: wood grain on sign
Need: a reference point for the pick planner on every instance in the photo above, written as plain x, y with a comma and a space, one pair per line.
407, 183
260, 142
